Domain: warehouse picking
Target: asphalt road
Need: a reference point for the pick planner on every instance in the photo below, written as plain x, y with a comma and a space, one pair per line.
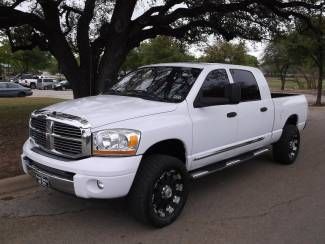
256, 202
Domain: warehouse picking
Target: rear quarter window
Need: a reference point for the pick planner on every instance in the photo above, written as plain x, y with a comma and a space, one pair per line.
249, 87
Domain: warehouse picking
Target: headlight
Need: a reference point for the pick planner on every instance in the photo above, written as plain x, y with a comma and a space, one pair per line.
118, 142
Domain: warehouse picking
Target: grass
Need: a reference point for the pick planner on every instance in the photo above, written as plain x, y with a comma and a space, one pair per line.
275, 84
14, 116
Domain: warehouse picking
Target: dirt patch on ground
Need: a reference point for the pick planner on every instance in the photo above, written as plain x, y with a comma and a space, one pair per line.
14, 116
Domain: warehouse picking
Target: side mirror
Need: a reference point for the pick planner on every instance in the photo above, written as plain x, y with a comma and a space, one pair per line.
233, 92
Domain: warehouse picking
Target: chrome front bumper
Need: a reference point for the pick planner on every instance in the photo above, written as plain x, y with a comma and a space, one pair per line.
49, 177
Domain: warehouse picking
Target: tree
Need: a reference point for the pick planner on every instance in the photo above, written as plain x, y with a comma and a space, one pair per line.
302, 48
24, 61
159, 50
222, 52
101, 33
278, 55
314, 36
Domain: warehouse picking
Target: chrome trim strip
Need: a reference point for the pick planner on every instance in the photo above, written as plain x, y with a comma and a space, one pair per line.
230, 148
200, 173
261, 152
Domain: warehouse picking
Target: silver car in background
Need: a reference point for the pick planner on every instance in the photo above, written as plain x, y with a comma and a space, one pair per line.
45, 83
9, 89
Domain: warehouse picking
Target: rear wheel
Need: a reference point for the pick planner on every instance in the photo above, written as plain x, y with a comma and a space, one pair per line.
159, 191
286, 150
32, 86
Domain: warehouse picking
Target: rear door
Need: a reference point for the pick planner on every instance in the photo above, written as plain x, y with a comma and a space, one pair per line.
255, 118
3, 89
214, 126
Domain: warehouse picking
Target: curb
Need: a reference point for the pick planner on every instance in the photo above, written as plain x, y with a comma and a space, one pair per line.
16, 184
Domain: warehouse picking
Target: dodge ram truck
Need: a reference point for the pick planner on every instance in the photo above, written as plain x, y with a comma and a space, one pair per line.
157, 128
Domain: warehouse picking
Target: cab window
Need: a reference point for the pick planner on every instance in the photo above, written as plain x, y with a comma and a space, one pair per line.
249, 87
214, 87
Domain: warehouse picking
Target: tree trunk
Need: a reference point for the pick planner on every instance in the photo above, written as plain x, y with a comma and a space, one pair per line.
110, 65
320, 86
283, 82
283, 76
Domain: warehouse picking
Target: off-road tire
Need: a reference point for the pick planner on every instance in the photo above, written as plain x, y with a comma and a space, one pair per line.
286, 150
149, 185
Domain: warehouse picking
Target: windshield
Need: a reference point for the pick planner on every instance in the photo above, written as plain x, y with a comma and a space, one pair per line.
160, 83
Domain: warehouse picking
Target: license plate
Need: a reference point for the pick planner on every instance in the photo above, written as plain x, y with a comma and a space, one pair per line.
42, 180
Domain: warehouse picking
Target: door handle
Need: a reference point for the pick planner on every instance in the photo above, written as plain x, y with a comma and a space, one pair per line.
231, 115
264, 109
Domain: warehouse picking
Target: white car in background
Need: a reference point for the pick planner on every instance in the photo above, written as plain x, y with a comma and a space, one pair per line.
28, 80
46, 82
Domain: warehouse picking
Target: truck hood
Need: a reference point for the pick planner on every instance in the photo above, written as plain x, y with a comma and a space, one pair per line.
107, 109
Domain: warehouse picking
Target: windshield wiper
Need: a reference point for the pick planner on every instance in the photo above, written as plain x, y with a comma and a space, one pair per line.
145, 95
113, 92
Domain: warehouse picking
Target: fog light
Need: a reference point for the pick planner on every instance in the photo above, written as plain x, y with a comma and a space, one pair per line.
100, 184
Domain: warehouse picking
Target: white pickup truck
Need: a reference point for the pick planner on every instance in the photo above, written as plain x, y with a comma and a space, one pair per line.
158, 127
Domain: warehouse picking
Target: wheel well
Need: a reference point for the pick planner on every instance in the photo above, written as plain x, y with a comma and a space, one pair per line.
292, 120
172, 147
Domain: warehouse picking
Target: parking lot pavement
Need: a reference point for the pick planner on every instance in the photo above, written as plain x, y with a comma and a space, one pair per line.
256, 202
53, 94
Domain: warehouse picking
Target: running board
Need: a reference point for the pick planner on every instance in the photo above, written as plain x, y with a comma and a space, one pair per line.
210, 169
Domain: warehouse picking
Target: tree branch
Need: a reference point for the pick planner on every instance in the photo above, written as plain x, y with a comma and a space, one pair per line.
12, 18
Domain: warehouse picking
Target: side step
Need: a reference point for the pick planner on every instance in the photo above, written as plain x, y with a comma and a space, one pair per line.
210, 169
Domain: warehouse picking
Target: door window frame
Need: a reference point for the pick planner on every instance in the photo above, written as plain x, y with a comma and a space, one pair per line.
230, 80
259, 90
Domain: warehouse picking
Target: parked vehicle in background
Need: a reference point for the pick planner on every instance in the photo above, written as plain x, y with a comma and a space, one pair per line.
158, 127
46, 83
9, 89
27, 80
62, 85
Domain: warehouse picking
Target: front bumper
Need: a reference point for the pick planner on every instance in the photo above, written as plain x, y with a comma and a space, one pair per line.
81, 177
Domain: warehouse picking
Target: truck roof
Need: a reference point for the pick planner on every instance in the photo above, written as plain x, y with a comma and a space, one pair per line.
202, 65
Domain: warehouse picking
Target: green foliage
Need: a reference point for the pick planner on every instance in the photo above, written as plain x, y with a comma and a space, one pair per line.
299, 51
223, 51
158, 50
27, 61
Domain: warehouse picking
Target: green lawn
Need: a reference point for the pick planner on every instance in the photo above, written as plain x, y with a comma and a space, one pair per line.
14, 115
275, 84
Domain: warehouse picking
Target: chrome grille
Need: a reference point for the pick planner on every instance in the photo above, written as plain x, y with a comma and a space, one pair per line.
39, 137
61, 134
67, 146
66, 130
39, 123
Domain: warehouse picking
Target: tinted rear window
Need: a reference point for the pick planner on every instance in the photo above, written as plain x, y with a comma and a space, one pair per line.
248, 83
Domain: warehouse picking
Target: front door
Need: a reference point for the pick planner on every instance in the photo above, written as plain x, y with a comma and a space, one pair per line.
214, 126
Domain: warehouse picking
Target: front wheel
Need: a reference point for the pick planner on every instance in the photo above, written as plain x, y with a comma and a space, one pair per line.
21, 94
286, 150
159, 191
